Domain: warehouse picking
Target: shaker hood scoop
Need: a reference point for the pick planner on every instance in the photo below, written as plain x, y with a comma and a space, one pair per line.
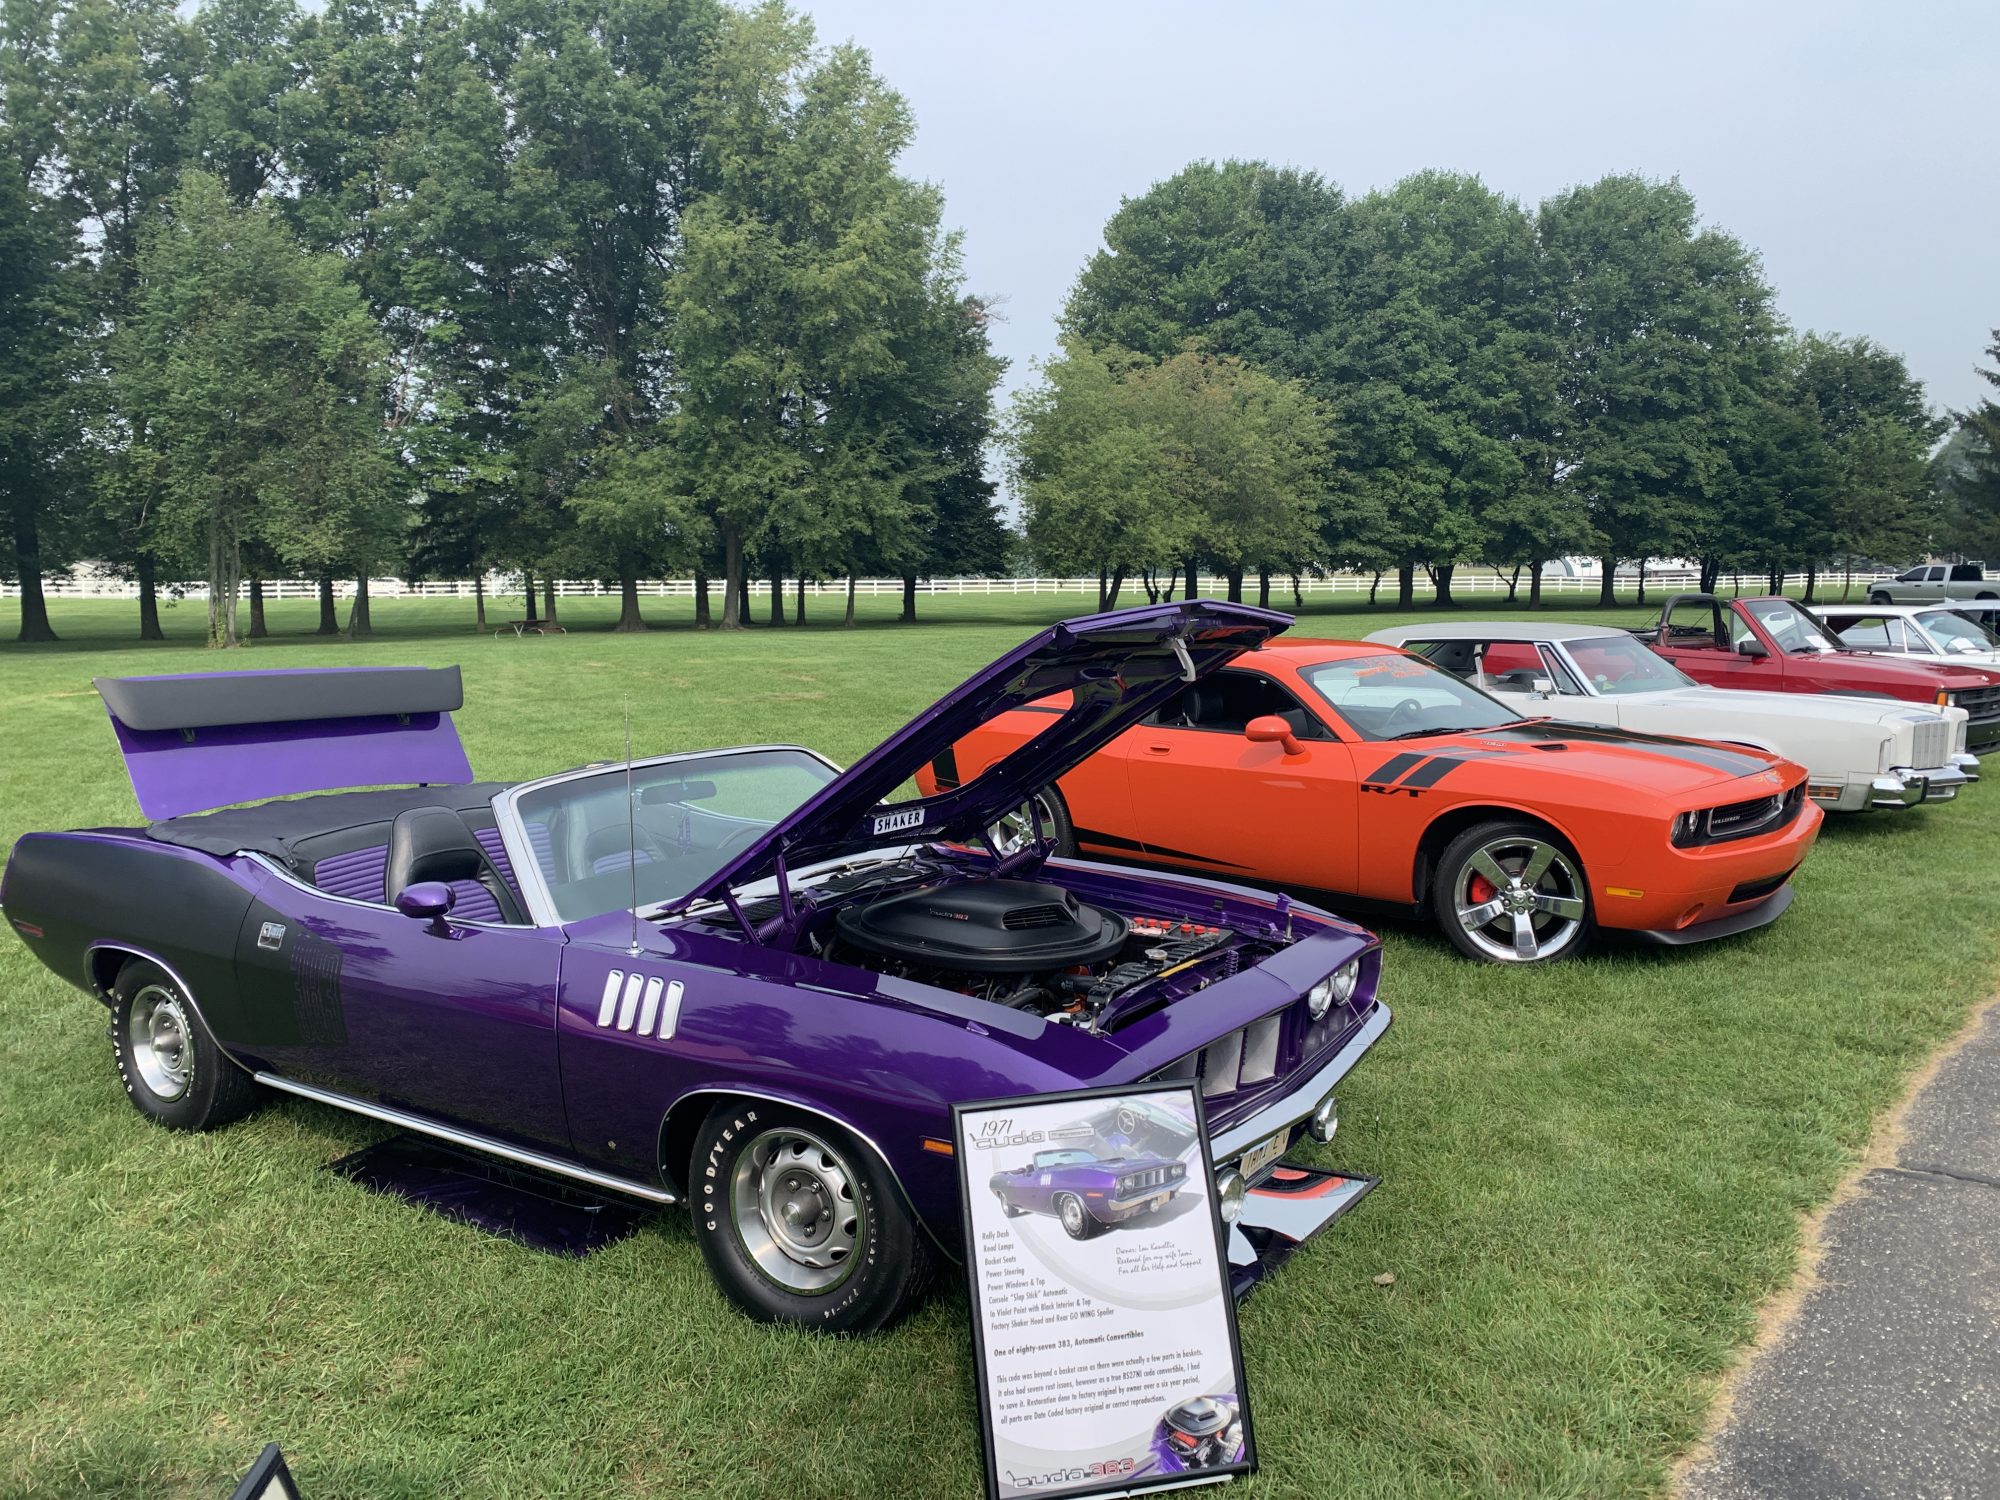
1117, 667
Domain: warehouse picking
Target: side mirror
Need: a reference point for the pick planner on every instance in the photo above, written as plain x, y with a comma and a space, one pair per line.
1751, 646
427, 901
1543, 687
1269, 729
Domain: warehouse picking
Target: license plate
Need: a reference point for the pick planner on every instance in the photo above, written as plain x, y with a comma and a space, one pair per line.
1261, 1155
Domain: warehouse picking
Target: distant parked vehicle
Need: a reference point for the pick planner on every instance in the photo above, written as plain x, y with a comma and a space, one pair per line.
1935, 581
1859, 752
1935, 632
1772, 644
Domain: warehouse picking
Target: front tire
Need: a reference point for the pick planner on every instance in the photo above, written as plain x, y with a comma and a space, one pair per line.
1016, 826
799, 1222
1076, 1220
172, 1070
1512, 891
1879, 599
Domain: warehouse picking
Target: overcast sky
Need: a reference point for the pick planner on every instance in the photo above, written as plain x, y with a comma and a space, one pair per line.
1855, 146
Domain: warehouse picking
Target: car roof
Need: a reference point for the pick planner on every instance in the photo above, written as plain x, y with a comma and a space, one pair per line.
1852, 608
1496, 630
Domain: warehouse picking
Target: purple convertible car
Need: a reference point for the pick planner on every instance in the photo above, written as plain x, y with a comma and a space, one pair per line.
1087, 1192
740, 978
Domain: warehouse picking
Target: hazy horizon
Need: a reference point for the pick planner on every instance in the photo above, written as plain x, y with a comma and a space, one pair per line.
1844, 143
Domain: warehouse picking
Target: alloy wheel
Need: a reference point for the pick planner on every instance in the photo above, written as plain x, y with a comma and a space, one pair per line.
1519, 899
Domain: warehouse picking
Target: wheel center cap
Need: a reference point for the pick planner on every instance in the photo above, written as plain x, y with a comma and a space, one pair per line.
1518, 899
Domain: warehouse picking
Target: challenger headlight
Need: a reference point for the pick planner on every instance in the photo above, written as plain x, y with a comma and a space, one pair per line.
1319, 999
1687, 829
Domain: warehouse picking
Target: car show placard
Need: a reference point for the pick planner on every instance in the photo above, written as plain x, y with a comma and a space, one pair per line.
1103, 1327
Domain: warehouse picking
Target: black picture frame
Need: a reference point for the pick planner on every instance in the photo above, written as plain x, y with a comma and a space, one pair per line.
270, 1470
1190, 1089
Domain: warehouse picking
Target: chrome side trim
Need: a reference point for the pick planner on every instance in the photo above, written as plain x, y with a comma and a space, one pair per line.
483, 1144
1299, 1103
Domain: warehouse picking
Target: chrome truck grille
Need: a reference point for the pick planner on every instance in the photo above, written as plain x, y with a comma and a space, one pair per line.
1983, 704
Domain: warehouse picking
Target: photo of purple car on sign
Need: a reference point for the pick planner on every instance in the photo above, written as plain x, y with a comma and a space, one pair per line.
1103, 1318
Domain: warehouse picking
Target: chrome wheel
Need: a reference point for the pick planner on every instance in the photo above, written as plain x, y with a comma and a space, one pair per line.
1072, 1216
797, 1210
1519, 899
1016, 829
161, 1035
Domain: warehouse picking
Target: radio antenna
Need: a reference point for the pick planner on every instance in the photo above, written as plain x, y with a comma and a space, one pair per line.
631, 829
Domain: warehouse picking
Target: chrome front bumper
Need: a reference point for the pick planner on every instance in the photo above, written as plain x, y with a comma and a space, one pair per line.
1968, 764
1903, 787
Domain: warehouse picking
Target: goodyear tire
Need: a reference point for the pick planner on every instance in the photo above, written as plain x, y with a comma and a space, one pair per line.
171, 1068
799, 1222
1512, 891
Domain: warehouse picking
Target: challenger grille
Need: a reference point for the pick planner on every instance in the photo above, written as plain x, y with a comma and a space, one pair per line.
1932, 744
1742, 820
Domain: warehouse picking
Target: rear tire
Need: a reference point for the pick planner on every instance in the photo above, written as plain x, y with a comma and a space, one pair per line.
800, 1223
1879, 599
1014, 827
1527, 884
172, 1070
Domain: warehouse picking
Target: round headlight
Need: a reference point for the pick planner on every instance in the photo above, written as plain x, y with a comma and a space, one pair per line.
1345, 979
1319, 999
1229, 1190
1325, 1120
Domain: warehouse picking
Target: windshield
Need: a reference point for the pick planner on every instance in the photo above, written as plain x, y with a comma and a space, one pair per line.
1397, 697
1954, 632
1621, 664
1062, 1158
1792, 628
686, 817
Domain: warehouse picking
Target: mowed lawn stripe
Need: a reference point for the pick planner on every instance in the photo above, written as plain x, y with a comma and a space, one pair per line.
1594, 1173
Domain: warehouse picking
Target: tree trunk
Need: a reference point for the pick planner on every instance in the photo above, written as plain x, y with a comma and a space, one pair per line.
1192, 591
258, 632
777, 593
528, 588
1776, 580
743, 598
909, 599
1298, 594
630, 621
1169, 581
479, 601
1812, 580
1233, 581
1117, 583
549, 599
329, 617
1441, 583
1514, 584
233, 554
1642, 583
1103, 589
1146, 582
358, 626
1847, 581
1711, 569
1534, 585
1607, 589
214, 587
1263, 588
28, 560
849, 621
1373, 586
799, 600
149, 599
1406, 586
701, 618
732, 579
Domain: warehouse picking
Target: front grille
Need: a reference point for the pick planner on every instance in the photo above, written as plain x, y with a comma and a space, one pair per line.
1267, 1049
1024, 917
1982, 703
1742, 820
1138, 1182
1932, 744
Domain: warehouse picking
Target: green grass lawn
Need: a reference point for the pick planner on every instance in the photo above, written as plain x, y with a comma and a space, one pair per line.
1593, 1173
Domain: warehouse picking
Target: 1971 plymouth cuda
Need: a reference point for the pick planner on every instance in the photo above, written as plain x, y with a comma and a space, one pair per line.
1774, 645
1360, 769
1087, 1192
739, 978
1858, 752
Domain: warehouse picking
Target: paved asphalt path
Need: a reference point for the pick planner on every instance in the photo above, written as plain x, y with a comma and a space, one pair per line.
1887, 1381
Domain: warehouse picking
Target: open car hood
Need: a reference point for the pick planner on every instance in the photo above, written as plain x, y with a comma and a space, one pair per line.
1117, 667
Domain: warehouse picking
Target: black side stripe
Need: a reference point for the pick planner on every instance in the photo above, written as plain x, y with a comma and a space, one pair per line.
1394, 766
1432, 771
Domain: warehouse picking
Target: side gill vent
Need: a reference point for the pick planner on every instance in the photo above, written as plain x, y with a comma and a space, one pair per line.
635, 1003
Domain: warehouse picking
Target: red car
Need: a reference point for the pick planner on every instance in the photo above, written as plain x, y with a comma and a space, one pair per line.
1772, 645
1370, 773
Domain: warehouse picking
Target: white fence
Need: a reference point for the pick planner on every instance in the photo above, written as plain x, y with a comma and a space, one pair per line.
1466, 582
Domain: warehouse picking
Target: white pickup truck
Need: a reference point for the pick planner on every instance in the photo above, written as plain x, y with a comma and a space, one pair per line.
1933, 582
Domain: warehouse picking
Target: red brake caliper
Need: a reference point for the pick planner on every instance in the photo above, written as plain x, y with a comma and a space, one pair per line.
1481, 890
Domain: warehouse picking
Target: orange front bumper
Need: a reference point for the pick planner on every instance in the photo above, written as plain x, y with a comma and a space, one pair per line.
1692, 895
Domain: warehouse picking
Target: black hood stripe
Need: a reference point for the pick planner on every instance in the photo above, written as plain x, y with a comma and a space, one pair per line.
1729, 762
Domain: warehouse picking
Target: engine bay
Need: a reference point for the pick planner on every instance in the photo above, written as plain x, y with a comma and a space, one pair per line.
1029, 944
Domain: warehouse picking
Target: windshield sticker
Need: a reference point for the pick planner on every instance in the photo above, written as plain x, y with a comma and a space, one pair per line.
897, 822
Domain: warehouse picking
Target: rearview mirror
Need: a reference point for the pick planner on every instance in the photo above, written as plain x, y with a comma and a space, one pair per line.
1751, 646
1269, 729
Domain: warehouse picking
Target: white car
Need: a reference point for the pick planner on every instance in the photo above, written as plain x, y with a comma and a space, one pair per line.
1948, 631
1858, 752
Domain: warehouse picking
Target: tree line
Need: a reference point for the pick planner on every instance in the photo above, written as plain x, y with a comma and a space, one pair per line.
1261, 373
601, 288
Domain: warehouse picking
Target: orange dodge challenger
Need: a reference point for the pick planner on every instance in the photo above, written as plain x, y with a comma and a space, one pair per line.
1364, 771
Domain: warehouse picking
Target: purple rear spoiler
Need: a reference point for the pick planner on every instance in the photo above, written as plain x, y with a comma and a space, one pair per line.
211, 739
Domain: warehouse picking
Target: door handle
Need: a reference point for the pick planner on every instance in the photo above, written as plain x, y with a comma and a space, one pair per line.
1159, 749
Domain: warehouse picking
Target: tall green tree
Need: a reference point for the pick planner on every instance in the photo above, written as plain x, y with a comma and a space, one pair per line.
257, 363
1970, 473
1664, 337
